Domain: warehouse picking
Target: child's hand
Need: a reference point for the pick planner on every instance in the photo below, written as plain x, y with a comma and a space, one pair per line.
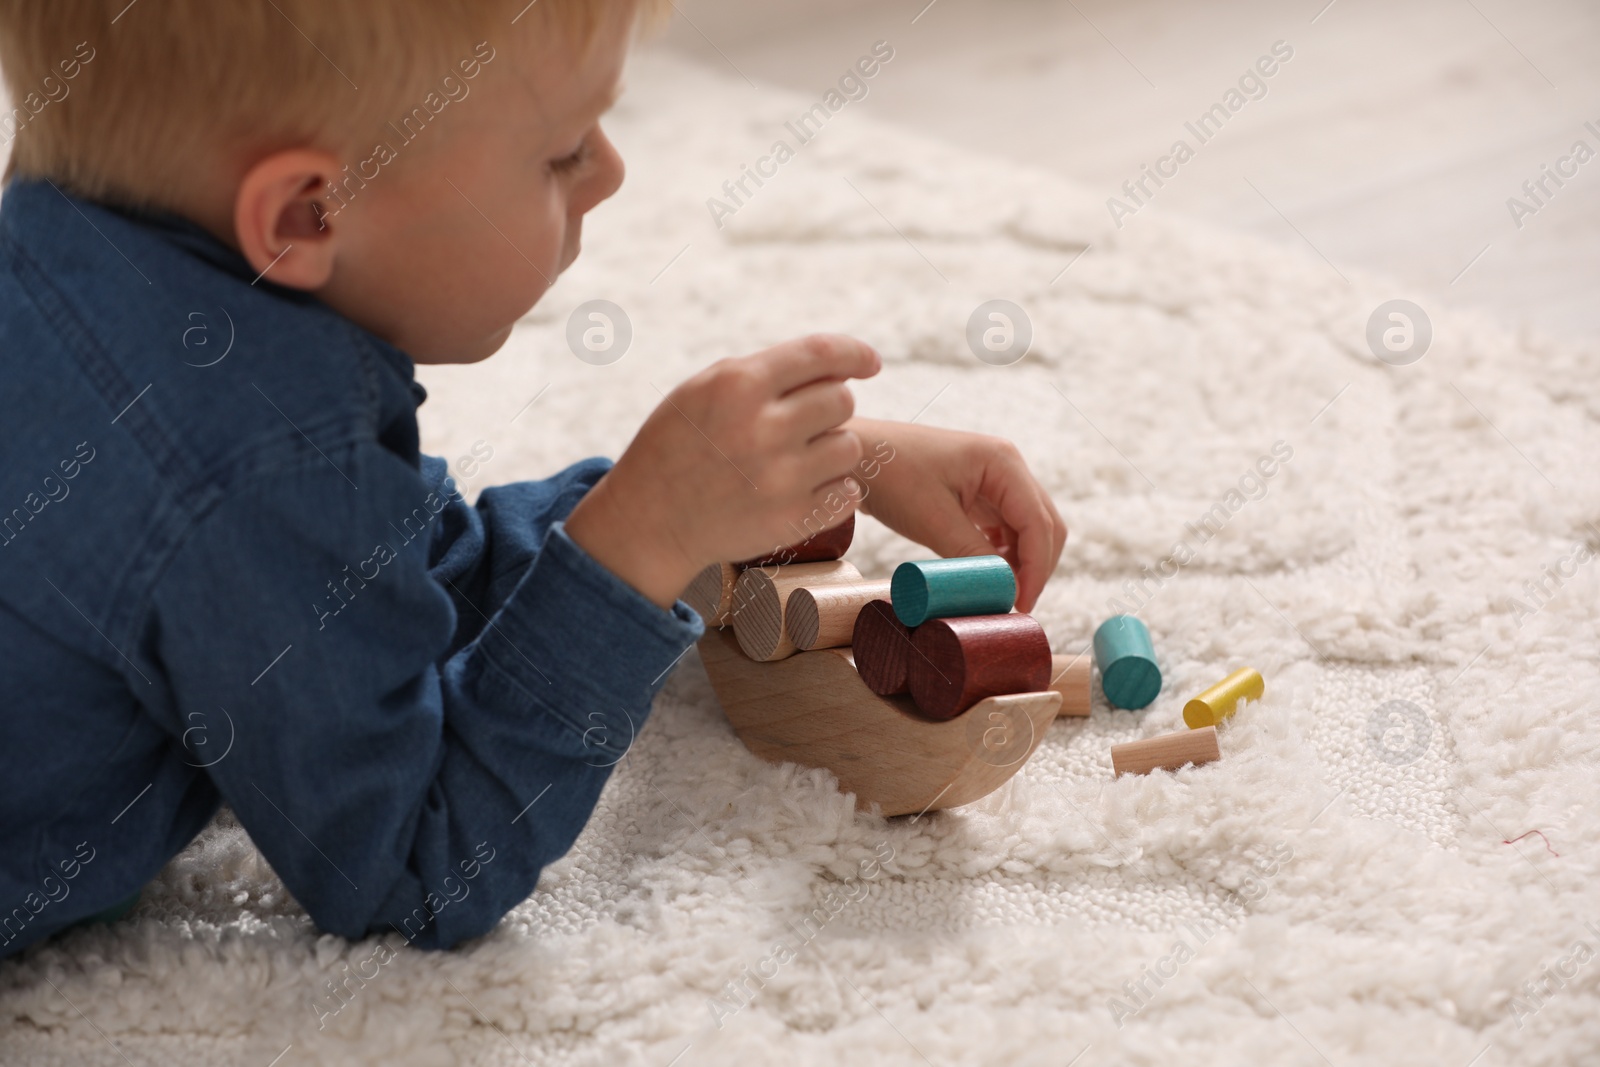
730, 465
964, 494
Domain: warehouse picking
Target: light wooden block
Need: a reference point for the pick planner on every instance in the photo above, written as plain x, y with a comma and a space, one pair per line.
1071, 677
1166, 752
825, 616
711, 594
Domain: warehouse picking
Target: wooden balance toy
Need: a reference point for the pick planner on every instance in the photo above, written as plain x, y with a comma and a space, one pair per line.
812, 707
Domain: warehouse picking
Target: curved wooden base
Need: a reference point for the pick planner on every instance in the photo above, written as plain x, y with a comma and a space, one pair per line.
813, 709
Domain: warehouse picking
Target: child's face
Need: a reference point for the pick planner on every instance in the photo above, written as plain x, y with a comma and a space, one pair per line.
465, 230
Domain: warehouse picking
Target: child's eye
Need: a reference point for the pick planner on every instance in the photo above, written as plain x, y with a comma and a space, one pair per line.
573, 161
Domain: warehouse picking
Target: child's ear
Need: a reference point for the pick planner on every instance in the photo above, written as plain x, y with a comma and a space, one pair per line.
281, 218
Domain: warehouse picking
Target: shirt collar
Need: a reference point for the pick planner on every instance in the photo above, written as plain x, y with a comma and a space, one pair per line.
35, 201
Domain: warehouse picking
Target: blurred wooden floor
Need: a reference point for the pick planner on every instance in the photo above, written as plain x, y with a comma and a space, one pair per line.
1390, 142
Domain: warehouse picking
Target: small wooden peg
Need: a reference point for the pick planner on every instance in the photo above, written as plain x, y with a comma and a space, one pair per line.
1166, 752
711, 594
1070, 676
1222, 700
825, 616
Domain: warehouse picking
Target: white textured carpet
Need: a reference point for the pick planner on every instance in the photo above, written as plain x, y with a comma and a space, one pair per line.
1350, 895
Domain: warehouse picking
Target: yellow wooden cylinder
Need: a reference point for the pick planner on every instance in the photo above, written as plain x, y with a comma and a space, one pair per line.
1220, 701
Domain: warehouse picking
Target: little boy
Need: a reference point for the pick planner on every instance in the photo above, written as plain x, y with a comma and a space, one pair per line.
229, 231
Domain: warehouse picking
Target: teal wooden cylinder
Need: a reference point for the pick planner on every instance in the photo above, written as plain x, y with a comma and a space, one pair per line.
1127, 660
945, 588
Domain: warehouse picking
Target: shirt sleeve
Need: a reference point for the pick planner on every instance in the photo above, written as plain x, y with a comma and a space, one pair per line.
427, 697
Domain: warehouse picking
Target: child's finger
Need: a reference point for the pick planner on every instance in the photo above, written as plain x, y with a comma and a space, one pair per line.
836, 500
823, 355
1060, 540
831, 456
814, 409
1037, 546
1025, 508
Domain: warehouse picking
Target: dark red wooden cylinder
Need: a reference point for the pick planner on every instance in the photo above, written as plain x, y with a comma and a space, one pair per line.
831, 543
957, 662
881, 645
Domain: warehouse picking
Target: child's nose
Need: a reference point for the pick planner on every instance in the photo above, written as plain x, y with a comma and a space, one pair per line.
606, 177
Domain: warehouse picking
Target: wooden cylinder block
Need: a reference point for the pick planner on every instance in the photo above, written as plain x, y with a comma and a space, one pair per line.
761, 598
825, 616
1129, 674
1070, 676
1222, 700
831, 543
1166, 752
881, 645
711, 594
947, 588
957, 662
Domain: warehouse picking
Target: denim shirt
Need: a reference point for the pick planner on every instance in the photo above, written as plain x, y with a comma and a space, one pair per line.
227, 575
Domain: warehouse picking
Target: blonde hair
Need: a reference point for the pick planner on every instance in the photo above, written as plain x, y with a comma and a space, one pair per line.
130, 102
